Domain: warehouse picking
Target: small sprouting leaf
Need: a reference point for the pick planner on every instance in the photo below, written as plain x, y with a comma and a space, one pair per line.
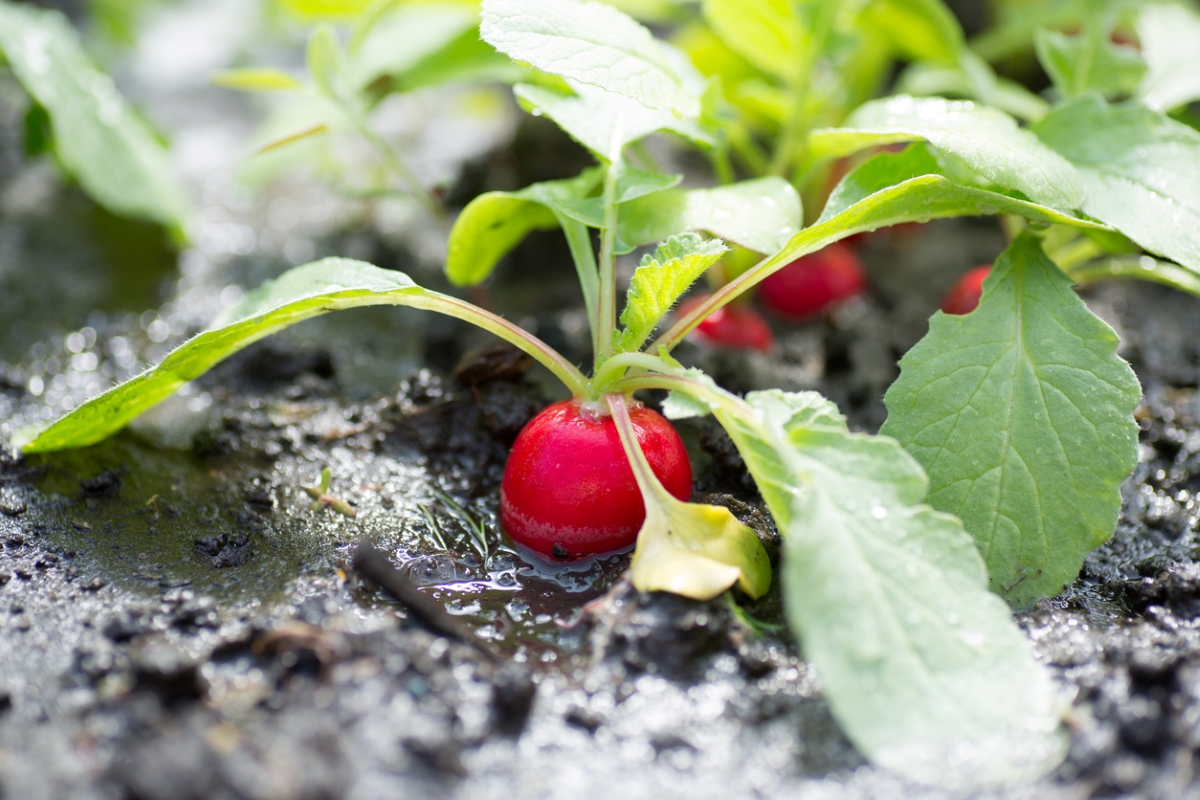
299, 294
256, 80
495, 222
922, 30
767, 33
1140, 171
659, 281
604, 122
326, 62
99, 140
1081, 63
697, 551
590, 43
1022, 414
923, 666
988, 140
1169, 34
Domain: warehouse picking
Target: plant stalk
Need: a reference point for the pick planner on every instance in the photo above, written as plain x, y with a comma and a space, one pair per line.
606, 322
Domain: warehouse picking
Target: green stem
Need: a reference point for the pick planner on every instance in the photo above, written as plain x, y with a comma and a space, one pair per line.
606, 322
543, 353
393, 162
722, 167
614, 368
653, 492
793, 141
579, 240
1075, 252
747, 149
1144, 268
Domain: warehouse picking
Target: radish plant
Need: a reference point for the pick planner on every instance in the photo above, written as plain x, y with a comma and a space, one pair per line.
1011, 427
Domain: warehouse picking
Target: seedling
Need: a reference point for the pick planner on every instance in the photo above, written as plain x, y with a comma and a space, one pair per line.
1012, 425
323, 499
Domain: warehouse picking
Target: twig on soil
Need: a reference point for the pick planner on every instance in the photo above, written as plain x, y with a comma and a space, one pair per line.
373, 565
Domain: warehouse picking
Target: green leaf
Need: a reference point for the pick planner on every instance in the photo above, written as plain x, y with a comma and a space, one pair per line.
919, 29
590, 43
767, 33
495, 222
760, 214
299, 294
923, 667
659, 281
1022, 414
466, 59
256, 80
100, 141
603, 121
425, 30
986, 139
326, 62
964, 193
889, 189
324, 9
1080, 63
1169, 35
697, 551
932, 78
1140, 171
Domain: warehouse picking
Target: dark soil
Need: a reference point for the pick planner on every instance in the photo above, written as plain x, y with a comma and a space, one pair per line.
180, 621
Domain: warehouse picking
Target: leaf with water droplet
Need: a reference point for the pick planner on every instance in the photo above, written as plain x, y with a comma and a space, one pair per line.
1022, 414
1140, 171
986, 139
867, 599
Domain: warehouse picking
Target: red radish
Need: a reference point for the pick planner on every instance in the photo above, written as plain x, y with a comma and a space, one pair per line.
814, 283
964, 294
735, 325
568, 489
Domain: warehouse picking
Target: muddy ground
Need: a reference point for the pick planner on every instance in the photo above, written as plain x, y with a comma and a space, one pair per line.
178, 621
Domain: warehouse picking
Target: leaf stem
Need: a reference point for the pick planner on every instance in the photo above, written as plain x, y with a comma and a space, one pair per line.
614, 368
1143, 268
606, 322
653, 492
792, 143
579, 241
393, 162
543, 353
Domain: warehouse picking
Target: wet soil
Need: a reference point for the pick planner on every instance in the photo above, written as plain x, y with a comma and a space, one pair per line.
178, 619
182, 622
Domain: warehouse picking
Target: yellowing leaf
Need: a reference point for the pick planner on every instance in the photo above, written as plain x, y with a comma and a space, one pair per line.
698, 551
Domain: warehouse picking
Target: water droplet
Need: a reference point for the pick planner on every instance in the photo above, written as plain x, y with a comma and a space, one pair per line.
879, 512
